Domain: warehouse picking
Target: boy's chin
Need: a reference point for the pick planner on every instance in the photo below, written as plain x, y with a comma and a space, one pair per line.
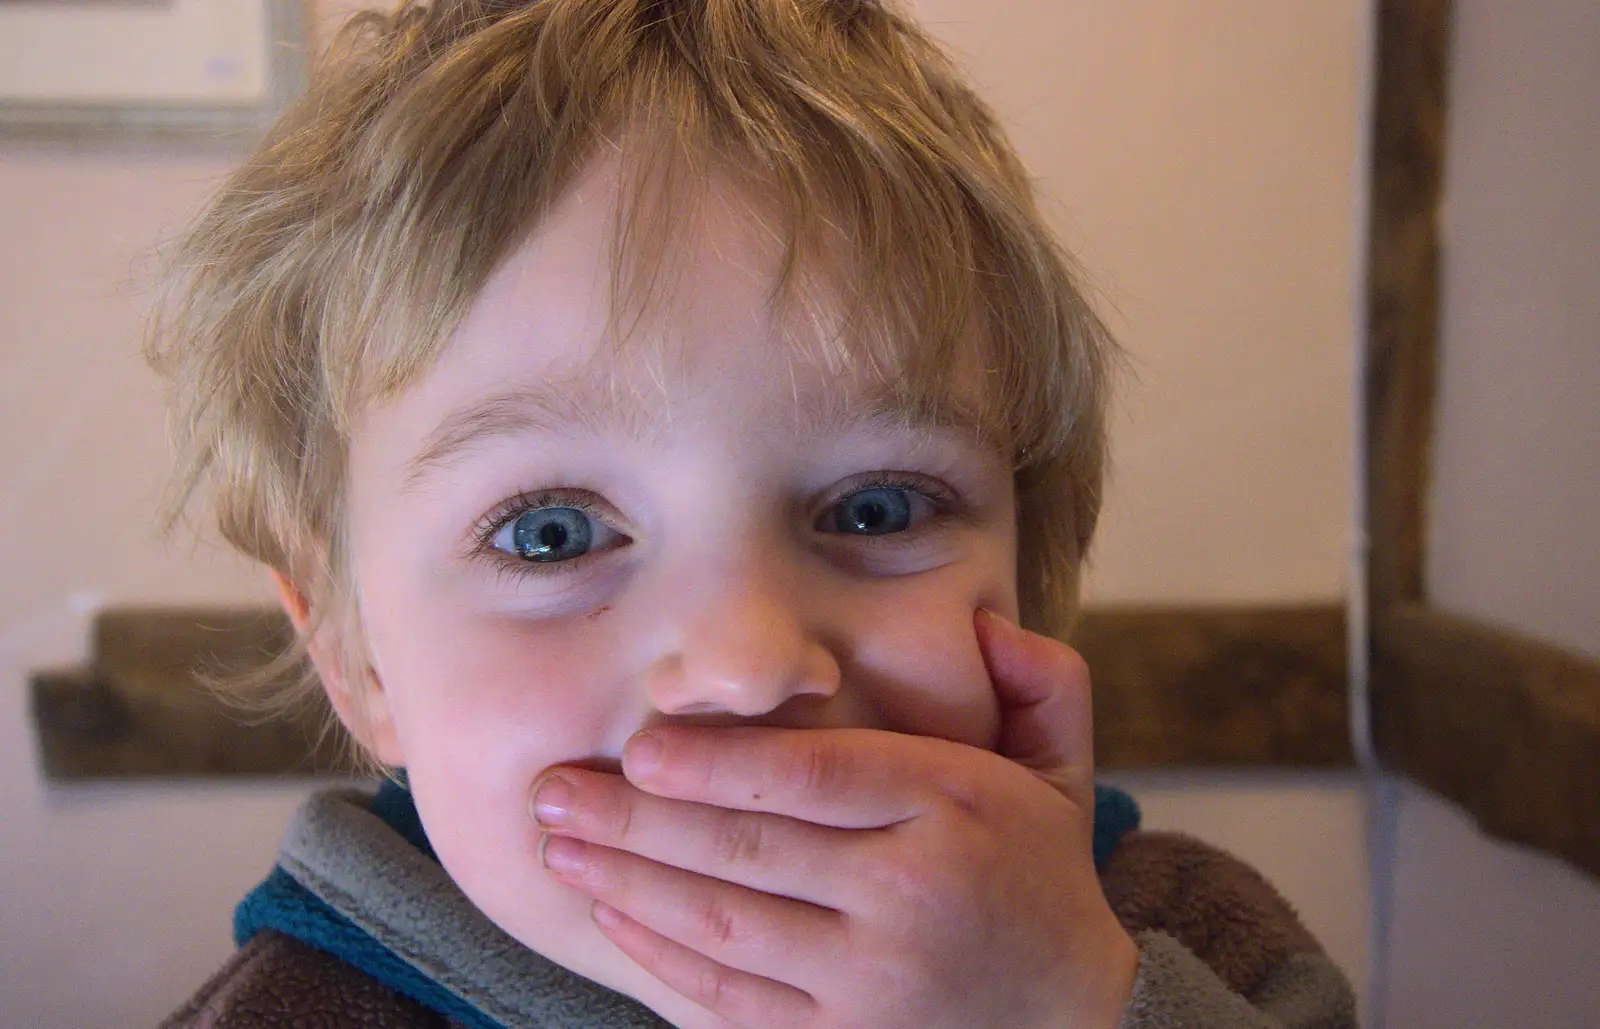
583, 950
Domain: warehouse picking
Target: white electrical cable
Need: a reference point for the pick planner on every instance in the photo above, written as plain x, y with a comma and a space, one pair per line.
1381, 793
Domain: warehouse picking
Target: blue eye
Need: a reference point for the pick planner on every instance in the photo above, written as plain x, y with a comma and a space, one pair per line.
549, 534
877, 511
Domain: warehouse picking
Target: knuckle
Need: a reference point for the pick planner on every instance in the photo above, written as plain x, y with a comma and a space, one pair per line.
613, 880
717, 923
1073, 665
739, 839
913, 885
817, 768
966, 799
711, 988
902, 971
918, 886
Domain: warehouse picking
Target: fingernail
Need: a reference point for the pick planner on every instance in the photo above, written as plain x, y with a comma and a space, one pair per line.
641, 758
561, 854
552, 801
992, 621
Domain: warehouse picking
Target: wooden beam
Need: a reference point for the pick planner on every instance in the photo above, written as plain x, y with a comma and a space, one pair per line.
1403, 289
145, 708
1174, 686
1506, 726
1220, 687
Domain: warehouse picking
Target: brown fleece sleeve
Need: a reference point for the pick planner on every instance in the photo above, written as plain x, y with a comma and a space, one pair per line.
275, 981
1215, 905
1176, 990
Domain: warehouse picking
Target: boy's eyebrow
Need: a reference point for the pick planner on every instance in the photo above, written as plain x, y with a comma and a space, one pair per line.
519, 411
522, 410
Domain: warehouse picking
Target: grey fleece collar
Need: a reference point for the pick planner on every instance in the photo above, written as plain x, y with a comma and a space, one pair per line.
345, 855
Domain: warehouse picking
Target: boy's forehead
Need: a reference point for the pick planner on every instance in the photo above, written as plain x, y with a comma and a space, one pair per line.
541, 350
597, 405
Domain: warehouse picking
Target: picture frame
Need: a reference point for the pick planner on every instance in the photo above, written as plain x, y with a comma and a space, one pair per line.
118, 68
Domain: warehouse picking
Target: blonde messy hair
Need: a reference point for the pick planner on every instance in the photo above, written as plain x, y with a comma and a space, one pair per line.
328, 270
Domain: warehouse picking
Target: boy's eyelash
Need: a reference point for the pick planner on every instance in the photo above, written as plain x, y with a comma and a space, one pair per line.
512, 507
940, 496
948, 506
944, 500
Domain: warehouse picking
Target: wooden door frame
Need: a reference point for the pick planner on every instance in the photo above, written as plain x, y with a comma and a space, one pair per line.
1505, 725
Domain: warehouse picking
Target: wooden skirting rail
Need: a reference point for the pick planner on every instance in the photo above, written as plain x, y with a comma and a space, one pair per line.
1173, 687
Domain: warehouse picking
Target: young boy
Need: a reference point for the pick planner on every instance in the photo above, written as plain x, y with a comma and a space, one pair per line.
657, 417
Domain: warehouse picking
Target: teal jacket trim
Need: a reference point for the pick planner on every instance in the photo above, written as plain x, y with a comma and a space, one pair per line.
281, 904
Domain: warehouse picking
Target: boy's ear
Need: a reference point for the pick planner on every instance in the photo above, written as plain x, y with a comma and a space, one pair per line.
362, 707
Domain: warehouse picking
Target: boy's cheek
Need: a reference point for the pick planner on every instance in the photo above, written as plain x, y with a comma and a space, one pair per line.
508, 697
922, 668
486, 704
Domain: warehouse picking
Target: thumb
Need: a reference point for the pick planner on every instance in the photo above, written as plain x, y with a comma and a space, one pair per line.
1046, 715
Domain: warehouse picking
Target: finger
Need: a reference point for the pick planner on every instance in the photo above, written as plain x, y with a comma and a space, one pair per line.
741, 999
844, 778
1046, 711
769, 853
744, 929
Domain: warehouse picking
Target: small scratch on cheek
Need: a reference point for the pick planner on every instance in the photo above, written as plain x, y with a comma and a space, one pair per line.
597, 612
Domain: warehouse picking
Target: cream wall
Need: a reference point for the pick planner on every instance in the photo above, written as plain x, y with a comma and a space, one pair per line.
113, 899
1484, 933
1205, 161
1203, 158
1515, 534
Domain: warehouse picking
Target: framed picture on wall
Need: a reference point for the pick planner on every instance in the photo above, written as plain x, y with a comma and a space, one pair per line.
88, 68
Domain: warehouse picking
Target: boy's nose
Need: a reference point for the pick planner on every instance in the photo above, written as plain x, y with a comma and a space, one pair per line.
743, 648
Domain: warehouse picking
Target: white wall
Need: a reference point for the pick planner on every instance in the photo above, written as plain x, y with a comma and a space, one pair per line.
1206, 161
1203, 158
1485, 933
1515, 535
114, 899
